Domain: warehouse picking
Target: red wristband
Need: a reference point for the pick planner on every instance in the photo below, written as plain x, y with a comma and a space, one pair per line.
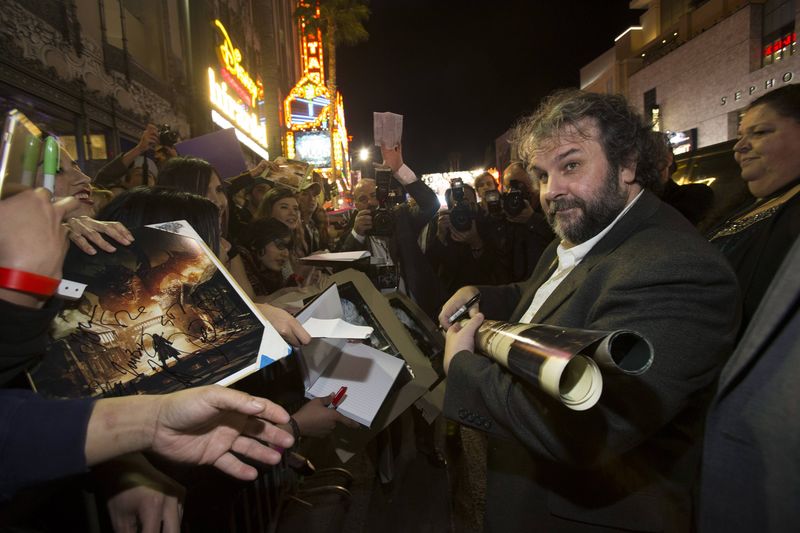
18, 280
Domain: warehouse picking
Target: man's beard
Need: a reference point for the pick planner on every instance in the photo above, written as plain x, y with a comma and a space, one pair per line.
593, 216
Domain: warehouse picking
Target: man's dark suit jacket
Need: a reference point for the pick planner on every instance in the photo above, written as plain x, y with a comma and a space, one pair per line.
417, 271
628, 462
751, 459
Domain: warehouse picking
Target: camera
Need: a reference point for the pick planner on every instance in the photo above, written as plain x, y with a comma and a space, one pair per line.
167, 137
494, 207
514, 199
461, 215
389, 194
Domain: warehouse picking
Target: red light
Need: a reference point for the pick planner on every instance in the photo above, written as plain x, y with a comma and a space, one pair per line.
768, 50
787, 40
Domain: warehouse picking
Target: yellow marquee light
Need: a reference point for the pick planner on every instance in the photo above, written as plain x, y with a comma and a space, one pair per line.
231, 108
231, 58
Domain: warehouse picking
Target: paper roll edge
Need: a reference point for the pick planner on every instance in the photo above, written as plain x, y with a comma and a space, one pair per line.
626, 352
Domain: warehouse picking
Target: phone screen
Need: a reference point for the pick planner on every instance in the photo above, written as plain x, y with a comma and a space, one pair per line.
21, 155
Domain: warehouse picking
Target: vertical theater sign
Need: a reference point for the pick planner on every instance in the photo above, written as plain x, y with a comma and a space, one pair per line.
307, 112
237, 100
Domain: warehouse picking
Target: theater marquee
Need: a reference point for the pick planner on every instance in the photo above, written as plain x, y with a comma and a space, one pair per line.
237, 99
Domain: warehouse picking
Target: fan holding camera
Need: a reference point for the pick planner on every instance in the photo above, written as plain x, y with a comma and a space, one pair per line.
139, 165
460, 253
388, 227
518, 229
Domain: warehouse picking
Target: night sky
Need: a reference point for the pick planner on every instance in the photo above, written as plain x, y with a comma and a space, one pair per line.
461, 72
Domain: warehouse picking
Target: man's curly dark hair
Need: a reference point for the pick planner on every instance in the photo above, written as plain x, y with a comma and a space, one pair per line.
627, 140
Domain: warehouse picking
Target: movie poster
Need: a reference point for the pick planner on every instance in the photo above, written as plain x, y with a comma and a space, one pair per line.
157, 316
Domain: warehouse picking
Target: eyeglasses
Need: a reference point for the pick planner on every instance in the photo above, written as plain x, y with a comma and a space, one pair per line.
280, 244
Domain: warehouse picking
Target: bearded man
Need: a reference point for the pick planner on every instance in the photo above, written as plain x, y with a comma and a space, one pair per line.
622, 260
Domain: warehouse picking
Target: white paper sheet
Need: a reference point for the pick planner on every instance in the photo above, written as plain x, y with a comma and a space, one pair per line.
335, 328
337, 256
368, 375
388, 129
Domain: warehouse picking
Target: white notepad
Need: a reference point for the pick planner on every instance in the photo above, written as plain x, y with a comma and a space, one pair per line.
331, 363
368, 375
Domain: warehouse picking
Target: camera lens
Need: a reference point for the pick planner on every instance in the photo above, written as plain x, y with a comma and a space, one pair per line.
382, 222
513, 203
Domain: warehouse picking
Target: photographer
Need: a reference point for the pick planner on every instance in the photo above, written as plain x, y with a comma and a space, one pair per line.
518, 228
390, 232
483, 184
457, 246
139, 165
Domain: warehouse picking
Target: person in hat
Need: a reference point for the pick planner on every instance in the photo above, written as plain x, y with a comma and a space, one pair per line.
255, 188
308, 198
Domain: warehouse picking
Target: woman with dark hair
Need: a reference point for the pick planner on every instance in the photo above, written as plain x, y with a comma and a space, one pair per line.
755, 239
281, 204
197, 176
265, 250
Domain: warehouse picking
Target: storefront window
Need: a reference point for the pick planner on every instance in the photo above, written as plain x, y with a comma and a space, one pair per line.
95, 146
782, 45
780, 39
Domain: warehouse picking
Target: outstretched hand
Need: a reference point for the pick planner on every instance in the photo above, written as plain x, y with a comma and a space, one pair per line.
285, 324
207, 425
316, 419
85, 232
139, 497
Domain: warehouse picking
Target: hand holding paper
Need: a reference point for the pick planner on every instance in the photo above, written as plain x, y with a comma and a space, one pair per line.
388, 129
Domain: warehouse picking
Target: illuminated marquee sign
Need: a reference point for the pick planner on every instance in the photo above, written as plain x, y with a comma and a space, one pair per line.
307, 110
231, 59
233, 109
311, 54
306, 107
235, 96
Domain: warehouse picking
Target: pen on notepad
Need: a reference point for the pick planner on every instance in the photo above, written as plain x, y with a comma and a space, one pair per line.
337, 399
463, 310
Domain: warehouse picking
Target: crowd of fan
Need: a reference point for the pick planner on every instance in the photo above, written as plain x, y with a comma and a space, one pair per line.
260, 229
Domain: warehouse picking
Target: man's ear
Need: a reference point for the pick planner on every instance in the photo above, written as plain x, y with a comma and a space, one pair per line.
628, 174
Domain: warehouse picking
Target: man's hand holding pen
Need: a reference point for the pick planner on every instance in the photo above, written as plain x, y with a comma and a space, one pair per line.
460, 336
462, 304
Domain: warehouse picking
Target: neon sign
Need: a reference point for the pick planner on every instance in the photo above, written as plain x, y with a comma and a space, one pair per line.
307, 109
234, 110
311, 54
231, 58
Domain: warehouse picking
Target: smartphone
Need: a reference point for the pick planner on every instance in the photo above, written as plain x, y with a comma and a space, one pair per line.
21, 154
